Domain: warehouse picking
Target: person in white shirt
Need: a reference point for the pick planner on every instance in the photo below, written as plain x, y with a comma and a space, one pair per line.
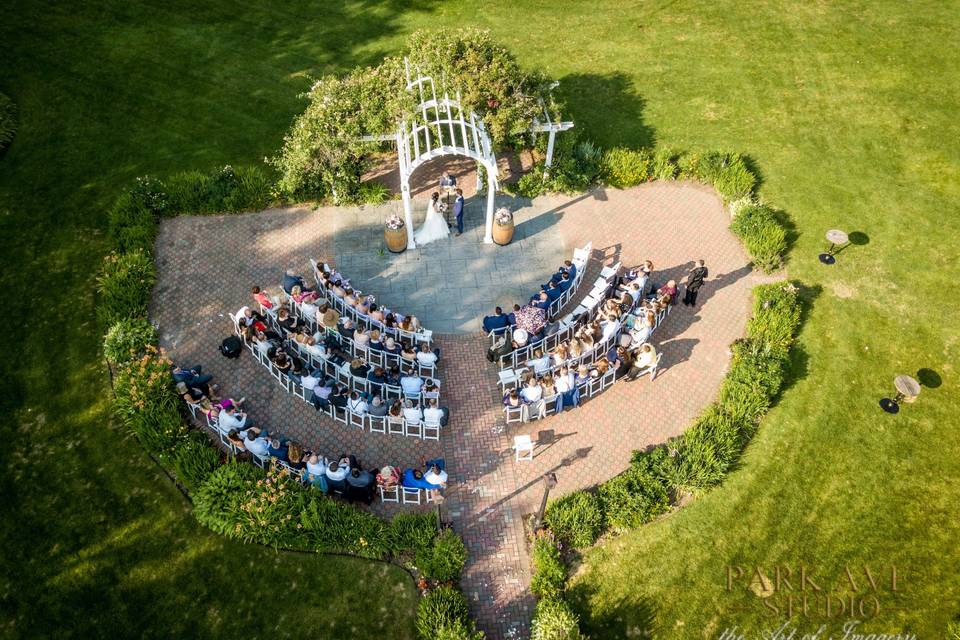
411, 413
337, 471
426, 357
646, 358
540, 362
437, 477
435, 413
315, 466
257, 445
357, 404
411, 383
311, 380
230, 418
315, 347
532, 395
609, 327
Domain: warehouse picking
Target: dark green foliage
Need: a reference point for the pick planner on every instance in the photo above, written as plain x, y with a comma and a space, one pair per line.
194, 459
128, 340
223, 190
634, 497
412, 531
332, 525
443, 613
373, 193
624, 168
576, 518
727, 172
664, 165
554, 620
133, 225
760, 230
124, 286
217, 503
444, 560
549, 573
8, 121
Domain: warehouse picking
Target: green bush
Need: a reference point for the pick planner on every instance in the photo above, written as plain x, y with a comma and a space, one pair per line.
707, 450
554, 620
217, 503
128, 340
664, 166
634, 497
443, 613
576, 519
331, 525
194, 460
373, 193
8, 121
132, 225
444, 560
412, 531
549, 573
727, 172
224, 190
776, 315
624, 168
124, 286
760, 230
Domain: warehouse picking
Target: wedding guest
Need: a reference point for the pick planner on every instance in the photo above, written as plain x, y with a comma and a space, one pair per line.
646, 357
390, 346
357, 404
262, 298
566, 386
291, 280
377, 407
388, 477
411, 413
238, 442
427, 357
668, 291
434, 412
540, 363
408, 352
532, 395
694, 281
277, 449
436, 477
346, 328
512, 316
360, 486
257, 444
359, 368
411, 383
327, 316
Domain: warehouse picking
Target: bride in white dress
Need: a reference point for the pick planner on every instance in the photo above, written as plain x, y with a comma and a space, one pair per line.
434, 226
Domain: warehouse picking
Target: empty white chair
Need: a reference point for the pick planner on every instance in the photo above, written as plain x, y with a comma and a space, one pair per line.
378, 424
413, 428
390, 494
523, 448
410, 495
508, 378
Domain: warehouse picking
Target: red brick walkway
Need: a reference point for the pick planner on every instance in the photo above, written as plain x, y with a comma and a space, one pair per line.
207, 264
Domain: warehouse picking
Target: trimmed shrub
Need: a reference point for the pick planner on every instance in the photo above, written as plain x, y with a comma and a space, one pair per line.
443, 613
124, 286
634, 497
132, 225
576, 519
554, 620
624, 168
128, 340
549, 573
727, 172
194, 460
444, 560
761, 232
8, 121
776, 315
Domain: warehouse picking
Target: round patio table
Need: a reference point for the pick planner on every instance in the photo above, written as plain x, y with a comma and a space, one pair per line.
836, 238
907, 390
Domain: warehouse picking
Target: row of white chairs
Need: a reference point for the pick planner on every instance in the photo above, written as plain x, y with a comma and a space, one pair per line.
586, 311
579, 260
393, 494
508, 378
424, 429
338, 303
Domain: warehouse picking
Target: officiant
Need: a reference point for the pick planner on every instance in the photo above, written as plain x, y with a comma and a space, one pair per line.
448, 185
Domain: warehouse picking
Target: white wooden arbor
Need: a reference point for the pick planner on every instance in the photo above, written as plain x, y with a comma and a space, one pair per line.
439, 127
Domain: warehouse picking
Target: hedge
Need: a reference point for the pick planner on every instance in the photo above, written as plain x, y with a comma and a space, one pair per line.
8, 121
444, 614
553, 619
759, 228
576, 519
549, 572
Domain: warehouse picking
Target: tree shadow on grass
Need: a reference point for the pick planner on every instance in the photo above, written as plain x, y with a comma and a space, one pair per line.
608, 107
623, 618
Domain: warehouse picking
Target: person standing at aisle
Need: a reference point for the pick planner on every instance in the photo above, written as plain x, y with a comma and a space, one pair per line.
694, 281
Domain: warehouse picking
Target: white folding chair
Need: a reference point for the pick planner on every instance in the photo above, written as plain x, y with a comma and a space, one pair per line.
523, 448
390, 494
395, 426
430, 429
508, 378
410, 495
378, 424
413, 428
357, 420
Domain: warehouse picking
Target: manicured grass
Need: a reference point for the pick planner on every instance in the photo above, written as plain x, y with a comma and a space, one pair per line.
848, 111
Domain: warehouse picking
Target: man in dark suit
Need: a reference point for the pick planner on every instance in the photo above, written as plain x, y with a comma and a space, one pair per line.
496, 322
458, 211
694, 282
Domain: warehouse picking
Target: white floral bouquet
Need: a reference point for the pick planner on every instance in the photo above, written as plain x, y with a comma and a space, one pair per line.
395, 222
503, 216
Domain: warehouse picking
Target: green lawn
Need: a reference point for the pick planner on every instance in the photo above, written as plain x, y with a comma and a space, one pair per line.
849, 112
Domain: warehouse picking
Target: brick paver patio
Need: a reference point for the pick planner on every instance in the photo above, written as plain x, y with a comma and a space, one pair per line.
207, 264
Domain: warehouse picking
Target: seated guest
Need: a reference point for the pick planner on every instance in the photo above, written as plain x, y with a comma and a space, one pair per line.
190, 395
236, 440
346, 328
376, 313
548, 386
377, 375
511, 399
390, 346
408, 352
250, 318
608, 329
277, 449
320, 398
426, 356
540, 301
377, 407
359, 368
314, 348
316, 466
411, 413
193, 377
361, 338
436, 477
291, 280
566, 281
230, 418
375, 344
668, 290
496, 322
560, 354
327, 316
296, 457
340, 396
540, 363
646, 357
600, 368
388, 477
360, 486
512, 316
411, 383
413, 479
357, 404
287, 321
435, 413
396, 409
337, 475
262, 298
553, 291
532, 395
583, 375
505, 347
393, 376
566, 386
304, 297
257, 444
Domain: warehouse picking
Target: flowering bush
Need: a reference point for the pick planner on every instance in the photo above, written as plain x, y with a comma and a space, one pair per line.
503, 216
128, 339
124, 286
395, 222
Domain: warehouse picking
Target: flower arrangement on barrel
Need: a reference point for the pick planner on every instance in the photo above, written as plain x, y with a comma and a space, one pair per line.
395, 233
503, 226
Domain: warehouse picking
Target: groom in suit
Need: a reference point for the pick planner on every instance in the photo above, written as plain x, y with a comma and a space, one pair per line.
458, 211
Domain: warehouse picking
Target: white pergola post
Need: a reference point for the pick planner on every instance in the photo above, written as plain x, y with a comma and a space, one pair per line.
408, 213
550, 140
491, 193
